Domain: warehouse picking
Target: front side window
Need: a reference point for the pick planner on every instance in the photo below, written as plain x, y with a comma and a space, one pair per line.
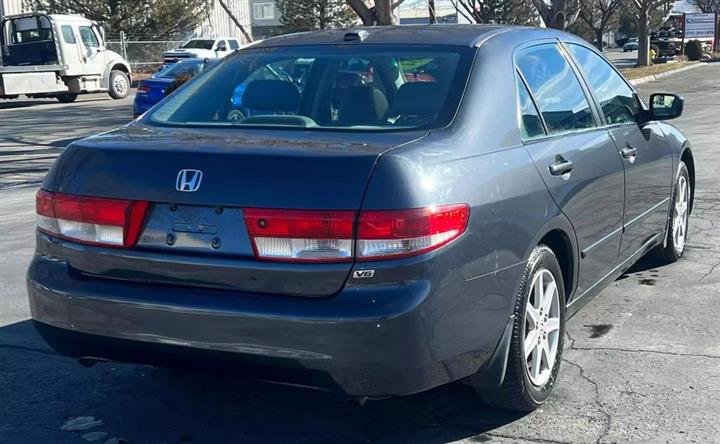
373, 87
68, 34
221, 46
530, 123
617, 100
88, 37
556, 89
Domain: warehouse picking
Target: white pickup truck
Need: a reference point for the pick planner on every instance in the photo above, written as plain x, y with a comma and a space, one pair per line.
202, 48
61, 56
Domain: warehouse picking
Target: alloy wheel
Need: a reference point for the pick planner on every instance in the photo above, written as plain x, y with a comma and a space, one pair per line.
542, 327
680, 214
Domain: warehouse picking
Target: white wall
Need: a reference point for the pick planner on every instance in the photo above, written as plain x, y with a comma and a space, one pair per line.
10, 7
218, 23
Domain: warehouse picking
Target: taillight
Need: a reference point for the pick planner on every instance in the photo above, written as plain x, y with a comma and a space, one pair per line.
328, 236
301, 236
142, 89
401, 233
91, 220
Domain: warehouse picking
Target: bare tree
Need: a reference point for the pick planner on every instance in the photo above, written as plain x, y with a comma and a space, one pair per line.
514, 12
597, 15
643, 11
431, 11
378, 13
558, 14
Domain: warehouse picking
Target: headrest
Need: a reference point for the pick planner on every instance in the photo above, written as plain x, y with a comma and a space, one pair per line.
271, 95
362, 105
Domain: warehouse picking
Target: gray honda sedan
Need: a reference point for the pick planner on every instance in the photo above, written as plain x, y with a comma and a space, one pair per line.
376, 211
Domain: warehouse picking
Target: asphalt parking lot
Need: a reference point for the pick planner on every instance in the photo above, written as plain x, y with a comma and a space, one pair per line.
641, 364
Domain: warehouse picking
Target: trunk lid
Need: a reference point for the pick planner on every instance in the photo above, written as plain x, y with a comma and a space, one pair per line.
199, 238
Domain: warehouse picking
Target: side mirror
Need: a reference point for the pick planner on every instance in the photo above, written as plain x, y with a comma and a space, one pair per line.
666, 106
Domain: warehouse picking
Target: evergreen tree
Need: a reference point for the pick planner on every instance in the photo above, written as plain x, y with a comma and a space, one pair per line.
308, 15
146, 19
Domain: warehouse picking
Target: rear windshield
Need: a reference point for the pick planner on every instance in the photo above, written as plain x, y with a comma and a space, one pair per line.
190, 69
199, 44
369, 87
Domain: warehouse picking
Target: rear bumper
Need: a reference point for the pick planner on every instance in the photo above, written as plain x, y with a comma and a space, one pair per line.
362, 341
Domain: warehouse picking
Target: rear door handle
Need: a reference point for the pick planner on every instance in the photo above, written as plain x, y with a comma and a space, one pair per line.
629, 153
560, 167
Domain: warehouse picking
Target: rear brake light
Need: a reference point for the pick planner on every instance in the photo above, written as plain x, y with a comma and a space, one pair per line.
92, 220
142, 89
402, 233
328, 236
301, 236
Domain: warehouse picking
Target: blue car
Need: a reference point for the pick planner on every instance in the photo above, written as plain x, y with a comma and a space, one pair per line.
151, 91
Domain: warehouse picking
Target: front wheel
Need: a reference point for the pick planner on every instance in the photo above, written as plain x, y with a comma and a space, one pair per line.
537, 338
118, 85
677, 226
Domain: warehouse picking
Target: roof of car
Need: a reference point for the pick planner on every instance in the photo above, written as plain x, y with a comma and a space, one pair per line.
440, 34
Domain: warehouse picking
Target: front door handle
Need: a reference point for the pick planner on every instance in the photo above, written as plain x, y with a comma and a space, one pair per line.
629, 153
560, 166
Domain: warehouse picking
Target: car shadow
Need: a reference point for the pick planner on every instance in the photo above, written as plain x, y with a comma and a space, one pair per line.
44, 392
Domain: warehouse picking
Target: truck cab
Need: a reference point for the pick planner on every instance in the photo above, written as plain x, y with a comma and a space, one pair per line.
52, 55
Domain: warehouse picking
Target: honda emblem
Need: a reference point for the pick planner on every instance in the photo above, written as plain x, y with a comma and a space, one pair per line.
188, 180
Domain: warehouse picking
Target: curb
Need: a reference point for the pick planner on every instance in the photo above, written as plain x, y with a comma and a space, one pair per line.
646, 79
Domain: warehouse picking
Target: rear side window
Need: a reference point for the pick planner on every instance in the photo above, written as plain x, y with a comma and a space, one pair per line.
616, 99
530, 122
234, 44
68, 34
555, 88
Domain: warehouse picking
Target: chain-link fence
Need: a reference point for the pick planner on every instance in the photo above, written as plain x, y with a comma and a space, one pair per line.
144, 55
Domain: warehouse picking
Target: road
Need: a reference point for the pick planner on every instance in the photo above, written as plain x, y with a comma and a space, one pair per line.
621, 59
641, 364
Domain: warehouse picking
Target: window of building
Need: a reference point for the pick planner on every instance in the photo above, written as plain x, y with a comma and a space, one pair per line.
264, 11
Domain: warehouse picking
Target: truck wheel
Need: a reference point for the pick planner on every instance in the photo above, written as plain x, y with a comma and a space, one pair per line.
67, 98
118, 85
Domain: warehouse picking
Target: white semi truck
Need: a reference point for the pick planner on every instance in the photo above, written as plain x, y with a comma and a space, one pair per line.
61, 56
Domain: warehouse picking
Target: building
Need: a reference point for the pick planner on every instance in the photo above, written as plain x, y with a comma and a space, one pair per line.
10, 7
218, 22
416, 12
265, 18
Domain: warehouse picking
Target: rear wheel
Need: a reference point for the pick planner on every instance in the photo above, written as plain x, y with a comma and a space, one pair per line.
537, 340
119, 85
66, 98
678, 222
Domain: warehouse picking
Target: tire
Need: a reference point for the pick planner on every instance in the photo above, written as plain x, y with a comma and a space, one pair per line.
522, 389
678, 221
67, 98
118, 84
